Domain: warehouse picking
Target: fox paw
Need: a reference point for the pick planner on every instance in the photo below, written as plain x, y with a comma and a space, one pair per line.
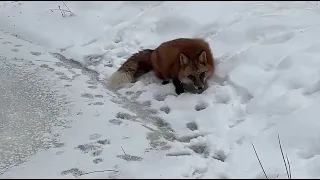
165, 82
179, 91
178, 85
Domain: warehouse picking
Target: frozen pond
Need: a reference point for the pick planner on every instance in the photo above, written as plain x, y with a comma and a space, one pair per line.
28, 107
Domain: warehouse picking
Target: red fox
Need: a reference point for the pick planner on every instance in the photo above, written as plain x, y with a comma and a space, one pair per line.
182, 60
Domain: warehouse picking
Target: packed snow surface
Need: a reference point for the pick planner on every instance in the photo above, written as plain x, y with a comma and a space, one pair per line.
59, 120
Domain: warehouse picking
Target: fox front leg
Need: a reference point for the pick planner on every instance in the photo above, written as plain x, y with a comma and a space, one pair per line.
178, 85
164, 82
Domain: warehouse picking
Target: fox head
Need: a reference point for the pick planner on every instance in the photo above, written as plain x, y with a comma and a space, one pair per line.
195, 71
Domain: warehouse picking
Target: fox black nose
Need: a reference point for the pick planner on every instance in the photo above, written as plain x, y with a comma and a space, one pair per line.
199, 88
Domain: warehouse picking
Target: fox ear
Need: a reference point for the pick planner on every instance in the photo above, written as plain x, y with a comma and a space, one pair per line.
203, 57
183, 59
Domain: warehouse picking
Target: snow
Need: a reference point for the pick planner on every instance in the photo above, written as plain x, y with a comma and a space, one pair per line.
267, 82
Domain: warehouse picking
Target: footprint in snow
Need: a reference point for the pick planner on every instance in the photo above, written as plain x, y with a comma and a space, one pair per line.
94, 146
35, 53
129, 157
74, 171
92, 87
44, 65
165, 109
201, 149
192, 126
98, 96
90, 82
15, 50
201, 106
94, 136
124, 116
115, 121
97, 160
87, 95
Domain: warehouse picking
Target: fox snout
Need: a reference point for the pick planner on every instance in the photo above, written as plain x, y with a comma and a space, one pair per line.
197, 82
198, 85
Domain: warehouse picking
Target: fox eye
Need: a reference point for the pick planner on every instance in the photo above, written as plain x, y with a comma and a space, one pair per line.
202, 74
191, 77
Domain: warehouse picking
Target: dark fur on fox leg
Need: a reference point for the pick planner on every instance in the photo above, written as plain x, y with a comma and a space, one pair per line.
178, 85
165, 82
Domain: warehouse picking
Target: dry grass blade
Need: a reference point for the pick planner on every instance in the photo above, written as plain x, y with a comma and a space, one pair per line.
67, 8
63, 11
123, 151
289, 167
259, 161
60, 10
285, 164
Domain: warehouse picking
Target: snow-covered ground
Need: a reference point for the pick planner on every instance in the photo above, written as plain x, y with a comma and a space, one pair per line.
267, 84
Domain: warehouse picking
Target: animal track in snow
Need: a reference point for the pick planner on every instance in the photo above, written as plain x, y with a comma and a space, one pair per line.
94, 148
160, 97
187, 138
87, 95
129, 157
125, 116
64, 77
59, 73
59, 152
200, 149
136, 95
96, 153
50, 69
192, 126
178, 154
92, 87
277, 39
35, 53
220, 156
86, 148
104, 142
97, 103
90, 82
97, 160
165, 109
201, 106
74, 171
94, 136
129, 93
58, 144
59, 64
115, 121
94, 59
162, 145
98, 96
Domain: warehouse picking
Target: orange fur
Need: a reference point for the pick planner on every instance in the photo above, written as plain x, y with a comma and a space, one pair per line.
182, 59
166, 61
